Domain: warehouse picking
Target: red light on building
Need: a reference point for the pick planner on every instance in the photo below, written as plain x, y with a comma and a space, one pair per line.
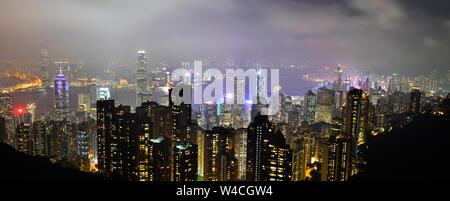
19, 111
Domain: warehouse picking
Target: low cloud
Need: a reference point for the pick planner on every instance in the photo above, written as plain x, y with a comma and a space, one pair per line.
382, 35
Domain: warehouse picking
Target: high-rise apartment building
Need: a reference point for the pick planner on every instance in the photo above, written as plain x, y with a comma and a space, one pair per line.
268, 156
142, 92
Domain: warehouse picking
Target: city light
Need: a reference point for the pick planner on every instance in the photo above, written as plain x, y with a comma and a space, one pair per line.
271, 93
19, 110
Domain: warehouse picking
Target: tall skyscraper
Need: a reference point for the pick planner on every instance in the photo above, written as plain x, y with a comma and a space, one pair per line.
339, 154
153, 121
302, 143
241, 152
61, 86
181, 115
338, 78
199, 134
225, 115
238, 107
123, 142
310, 107
82, 141
24, 138
356, 124
142, 92
325, 105
62, 128
61, 133
41, 138
116, 128
44, 66
220, 163
185, 162
261, 94
414, 102
268, 156
159, 159
6, 113
210, 115
105, 114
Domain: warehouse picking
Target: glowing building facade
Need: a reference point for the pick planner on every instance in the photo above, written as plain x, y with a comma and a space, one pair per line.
44, 65
185, 162
6, 114
220, 163
61, 86
268, 156
142, 92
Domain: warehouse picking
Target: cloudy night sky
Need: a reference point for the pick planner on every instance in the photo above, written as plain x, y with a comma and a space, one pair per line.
381, 35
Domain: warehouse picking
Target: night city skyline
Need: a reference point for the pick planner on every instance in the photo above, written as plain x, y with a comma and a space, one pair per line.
263, 96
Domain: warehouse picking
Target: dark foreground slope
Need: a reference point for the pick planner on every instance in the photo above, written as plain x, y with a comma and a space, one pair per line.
417, 152
18, 166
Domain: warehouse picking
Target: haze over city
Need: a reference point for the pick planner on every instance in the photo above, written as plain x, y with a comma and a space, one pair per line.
382, 36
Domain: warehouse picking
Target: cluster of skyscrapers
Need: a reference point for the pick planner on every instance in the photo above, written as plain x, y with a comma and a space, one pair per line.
320, 136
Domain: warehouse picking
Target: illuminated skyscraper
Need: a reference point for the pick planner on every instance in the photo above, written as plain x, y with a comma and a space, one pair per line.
62, 128
41, 138
153, 122
116, 128
310, 107
199, 134
23, 138
159, 159
356, 124
105, 114
210, 115
220, 163
294, 115
325, 105
339, 154
142, 92
123, 142
302, 144
6, 113
268, 156
185, 162
338, 78
241, 152
44, 66
238, 108
61, 86
84, 101
261, 85
82, 141
181, 115
261, 94
414, 103
225, 115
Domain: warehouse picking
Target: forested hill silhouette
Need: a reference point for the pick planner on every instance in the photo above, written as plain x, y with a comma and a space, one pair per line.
416, 152
18, 166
